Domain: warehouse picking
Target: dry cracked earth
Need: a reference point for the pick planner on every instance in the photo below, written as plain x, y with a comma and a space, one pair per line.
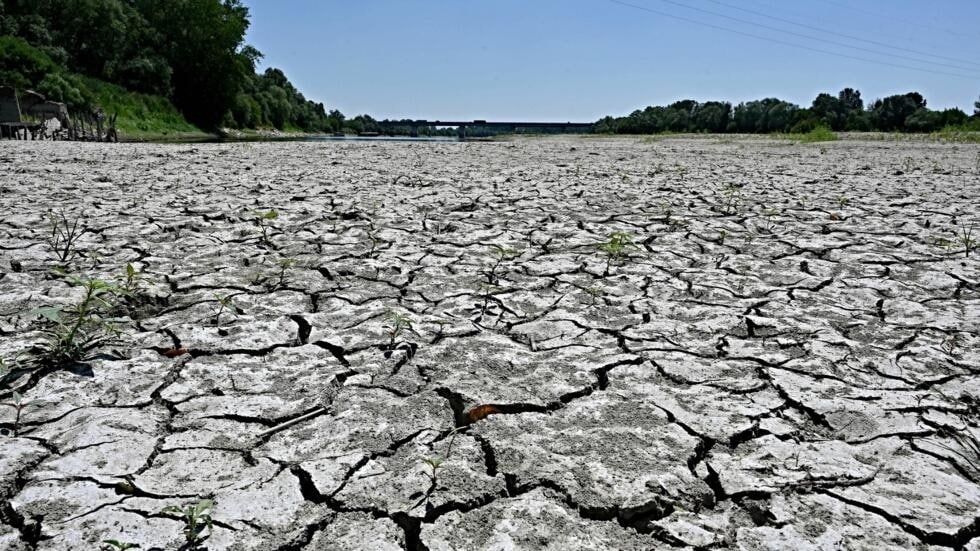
539, 344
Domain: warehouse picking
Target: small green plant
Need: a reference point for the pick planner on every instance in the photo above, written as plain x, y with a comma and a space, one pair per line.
116, 545
500, 254
965, 238
594, 293
843, 201
131, 280
196, 518
768, 224
731, 198
435, 463
224, 303
283, 265
77, 330
19, 404
64, 235
908, 165
618, 245
375, 241
486, 291
263, 219
397, 325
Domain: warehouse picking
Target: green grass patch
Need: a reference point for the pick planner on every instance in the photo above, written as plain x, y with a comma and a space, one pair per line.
957, 135
818, 134
142, 116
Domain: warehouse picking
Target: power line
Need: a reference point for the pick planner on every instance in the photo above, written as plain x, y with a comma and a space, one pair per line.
852, 37
895, 18
812, 37
787, 43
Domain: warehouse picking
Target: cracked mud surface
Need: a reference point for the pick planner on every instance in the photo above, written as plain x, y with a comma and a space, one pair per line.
787, 356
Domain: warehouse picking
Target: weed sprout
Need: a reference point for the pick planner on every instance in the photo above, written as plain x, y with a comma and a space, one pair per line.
196, 518
263, 219
64, 235
82, 327
397, 324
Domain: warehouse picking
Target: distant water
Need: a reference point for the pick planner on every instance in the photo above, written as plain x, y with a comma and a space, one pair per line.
379, 139
321, 138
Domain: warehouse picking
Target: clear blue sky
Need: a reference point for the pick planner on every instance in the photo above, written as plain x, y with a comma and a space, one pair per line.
560, 60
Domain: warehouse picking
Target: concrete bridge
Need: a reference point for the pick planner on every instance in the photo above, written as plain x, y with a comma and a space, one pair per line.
506, 126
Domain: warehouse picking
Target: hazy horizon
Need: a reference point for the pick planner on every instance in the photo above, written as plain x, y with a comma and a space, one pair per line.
584, 59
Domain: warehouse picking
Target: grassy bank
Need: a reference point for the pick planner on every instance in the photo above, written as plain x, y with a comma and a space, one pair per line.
143, 117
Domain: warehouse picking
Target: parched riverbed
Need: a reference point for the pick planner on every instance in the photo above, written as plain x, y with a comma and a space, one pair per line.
541, 344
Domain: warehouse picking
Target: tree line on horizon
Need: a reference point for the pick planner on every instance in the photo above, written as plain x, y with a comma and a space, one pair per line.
844, 112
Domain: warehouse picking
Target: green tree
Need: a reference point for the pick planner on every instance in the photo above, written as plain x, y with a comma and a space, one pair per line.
890, 113
202, 40
22, 65
829, 111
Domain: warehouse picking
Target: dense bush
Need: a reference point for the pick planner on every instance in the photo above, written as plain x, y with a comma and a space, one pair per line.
189, 51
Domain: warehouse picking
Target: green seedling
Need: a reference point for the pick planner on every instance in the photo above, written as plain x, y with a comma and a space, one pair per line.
722, 235
77, 330
196, 518
397, 325
965, 237
909, 164
486, 291
500, 255
284, 265
435, 463
131, 281
264, 219
116, 545
595, 293
64, 235
731, 198
842, 201
618, 245
375, 240
19, 404
224, 303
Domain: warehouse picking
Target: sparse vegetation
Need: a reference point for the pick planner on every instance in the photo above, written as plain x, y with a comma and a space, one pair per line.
76, 330
225, 303
398, 324
500, 255
197, 519
966, 240
19, 404
264, 221
731, 195
817, 134
64, 235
